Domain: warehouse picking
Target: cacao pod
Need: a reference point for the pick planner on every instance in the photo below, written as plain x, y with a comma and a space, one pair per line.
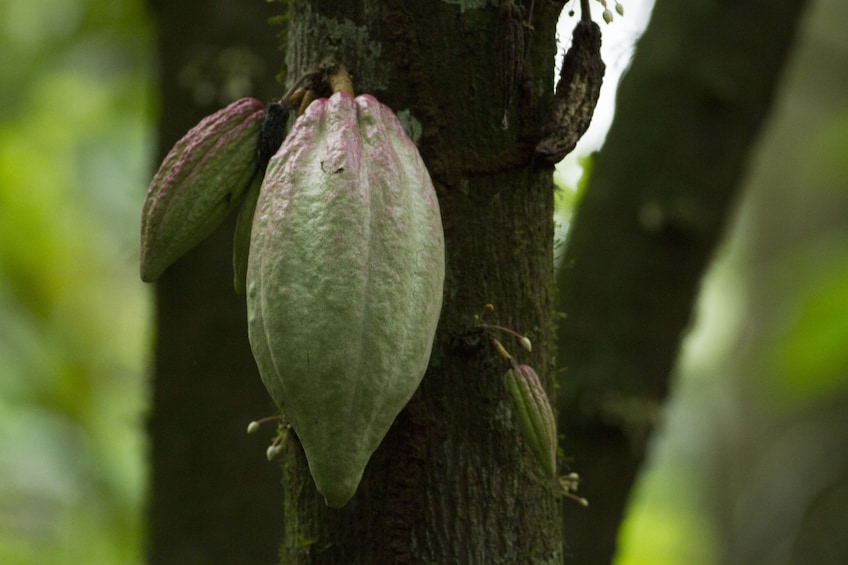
271, 136
344, 282
241, 235
534, 414
199, 182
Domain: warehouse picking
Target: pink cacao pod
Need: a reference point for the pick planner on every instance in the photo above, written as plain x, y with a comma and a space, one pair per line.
344, 282
198, 183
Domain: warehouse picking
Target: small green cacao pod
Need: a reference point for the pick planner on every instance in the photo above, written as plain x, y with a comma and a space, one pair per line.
534, 414
199, 182
344, 282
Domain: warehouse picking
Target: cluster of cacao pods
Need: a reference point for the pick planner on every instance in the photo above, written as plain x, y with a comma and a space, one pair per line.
339, 245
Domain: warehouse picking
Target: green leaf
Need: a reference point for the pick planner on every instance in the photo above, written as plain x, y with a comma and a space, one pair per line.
811, 361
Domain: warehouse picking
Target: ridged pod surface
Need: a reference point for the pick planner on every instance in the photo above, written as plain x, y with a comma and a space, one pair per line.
344, 282
534, 414
198, 183
241, 235
273, 132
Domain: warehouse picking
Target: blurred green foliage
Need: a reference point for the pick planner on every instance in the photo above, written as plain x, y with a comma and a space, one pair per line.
75, 142
751, 462
810, 362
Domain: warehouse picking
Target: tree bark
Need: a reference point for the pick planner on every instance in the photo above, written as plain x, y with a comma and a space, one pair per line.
214, 498
660, 196
453, 480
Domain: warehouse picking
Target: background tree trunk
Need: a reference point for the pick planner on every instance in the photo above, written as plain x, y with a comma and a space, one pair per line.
453, 481
688, 112
214, 498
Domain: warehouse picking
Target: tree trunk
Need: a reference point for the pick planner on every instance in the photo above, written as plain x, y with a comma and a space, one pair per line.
453, 480
214, 498
688, 113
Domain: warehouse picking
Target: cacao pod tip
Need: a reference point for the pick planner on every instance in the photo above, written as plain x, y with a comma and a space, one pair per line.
147, 274
337, 503
151, 264
338, 496
336, 477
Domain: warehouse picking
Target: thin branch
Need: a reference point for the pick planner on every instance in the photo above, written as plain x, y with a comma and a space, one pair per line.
585, 11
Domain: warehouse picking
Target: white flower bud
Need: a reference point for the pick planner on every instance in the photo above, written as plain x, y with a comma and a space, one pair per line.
271, 452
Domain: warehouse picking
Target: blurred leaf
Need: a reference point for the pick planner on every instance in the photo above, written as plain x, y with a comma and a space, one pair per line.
670, 533
811, 361
75, 138
827, 152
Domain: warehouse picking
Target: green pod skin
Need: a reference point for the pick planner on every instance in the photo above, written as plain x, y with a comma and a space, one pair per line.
534, 414
274, 127
344, 282
198, 183
241, 235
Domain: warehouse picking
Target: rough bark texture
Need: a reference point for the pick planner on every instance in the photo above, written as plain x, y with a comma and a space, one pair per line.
214, 498
453, 480
689, 110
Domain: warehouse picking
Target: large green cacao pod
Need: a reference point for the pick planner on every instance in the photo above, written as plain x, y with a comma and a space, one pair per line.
344, 282
199, 182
